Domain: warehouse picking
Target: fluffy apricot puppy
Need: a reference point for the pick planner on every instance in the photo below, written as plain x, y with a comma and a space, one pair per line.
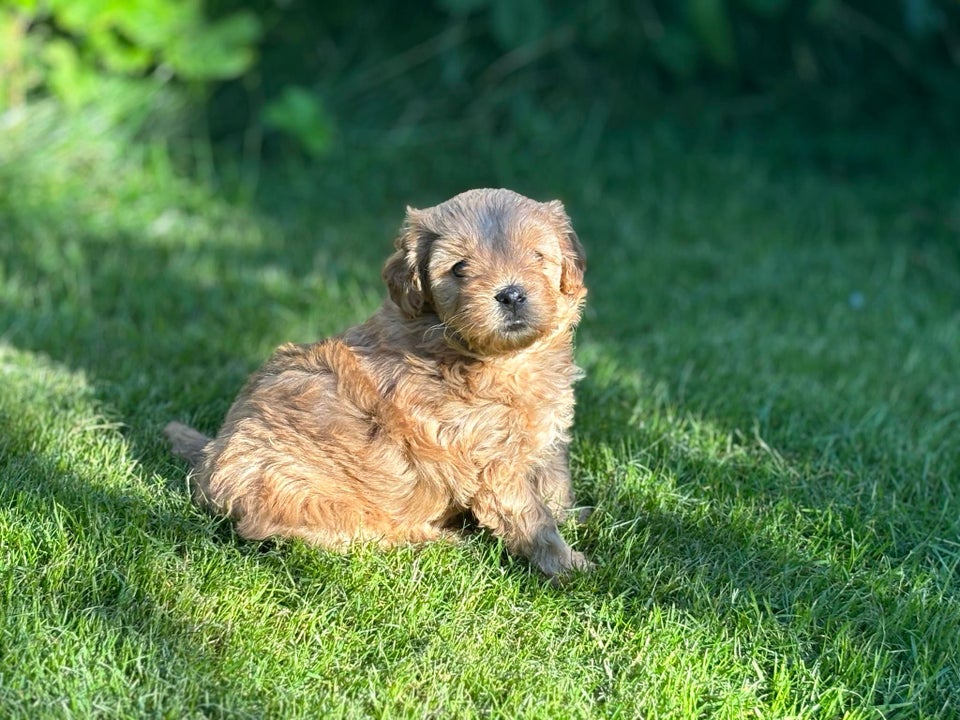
455, 396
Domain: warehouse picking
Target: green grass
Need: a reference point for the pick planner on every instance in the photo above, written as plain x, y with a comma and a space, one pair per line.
769, 429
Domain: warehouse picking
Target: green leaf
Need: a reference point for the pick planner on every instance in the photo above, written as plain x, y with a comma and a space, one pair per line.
117, 56
823, 11
68, 77
923, 18
765, 8
156, 23
711, 21
676, 51
222, 50
80, 16
300, 113
25, 6
461, 7
518, 22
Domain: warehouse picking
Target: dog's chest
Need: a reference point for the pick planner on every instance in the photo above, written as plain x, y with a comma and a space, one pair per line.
480, 417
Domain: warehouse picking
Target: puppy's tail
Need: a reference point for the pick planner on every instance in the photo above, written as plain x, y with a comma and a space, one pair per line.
186, 442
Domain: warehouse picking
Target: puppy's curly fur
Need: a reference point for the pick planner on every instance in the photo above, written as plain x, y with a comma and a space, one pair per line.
455, 396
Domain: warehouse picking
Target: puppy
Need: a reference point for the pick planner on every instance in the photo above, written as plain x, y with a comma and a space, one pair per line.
455, 397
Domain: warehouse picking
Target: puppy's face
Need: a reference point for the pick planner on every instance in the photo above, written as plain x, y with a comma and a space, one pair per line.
498, 270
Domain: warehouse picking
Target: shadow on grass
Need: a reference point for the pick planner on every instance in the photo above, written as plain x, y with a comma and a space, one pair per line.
81, 558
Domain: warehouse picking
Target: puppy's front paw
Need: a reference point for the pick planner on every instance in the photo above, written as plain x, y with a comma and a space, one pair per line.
580, 563
557, 560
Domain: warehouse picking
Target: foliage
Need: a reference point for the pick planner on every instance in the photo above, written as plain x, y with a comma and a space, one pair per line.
81, 50
729, 37
119, 54
299, 113
503, 62
485, 64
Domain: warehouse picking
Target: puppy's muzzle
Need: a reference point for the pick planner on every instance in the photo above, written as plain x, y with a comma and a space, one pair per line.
513, 305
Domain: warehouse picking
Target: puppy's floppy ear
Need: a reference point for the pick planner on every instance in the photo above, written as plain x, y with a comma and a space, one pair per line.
573, 259
405, 272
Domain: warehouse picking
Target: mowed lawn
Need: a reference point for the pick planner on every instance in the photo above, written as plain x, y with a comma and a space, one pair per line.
769, 431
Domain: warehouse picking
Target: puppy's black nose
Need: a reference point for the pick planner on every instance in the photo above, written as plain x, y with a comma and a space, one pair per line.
511, 296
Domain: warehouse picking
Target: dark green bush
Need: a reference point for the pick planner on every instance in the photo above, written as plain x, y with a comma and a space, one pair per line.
497, 62
297, 65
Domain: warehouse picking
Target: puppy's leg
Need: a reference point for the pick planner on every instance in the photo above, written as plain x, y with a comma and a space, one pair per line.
552, 483
512, 509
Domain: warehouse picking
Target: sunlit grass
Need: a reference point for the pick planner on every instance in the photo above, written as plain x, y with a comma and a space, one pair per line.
768, 431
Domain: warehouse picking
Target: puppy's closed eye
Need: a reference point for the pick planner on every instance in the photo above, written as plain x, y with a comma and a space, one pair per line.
459, 269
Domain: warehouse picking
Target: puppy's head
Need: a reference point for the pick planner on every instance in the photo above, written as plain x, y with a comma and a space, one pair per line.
498, 270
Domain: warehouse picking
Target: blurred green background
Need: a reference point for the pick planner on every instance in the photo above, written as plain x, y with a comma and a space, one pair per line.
276, 78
